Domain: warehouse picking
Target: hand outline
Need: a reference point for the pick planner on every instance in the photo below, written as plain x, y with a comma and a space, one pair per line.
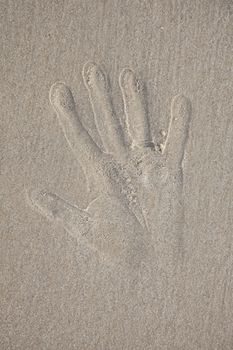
127, 175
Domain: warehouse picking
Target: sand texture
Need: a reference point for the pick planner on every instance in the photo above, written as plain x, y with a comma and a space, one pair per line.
116, 148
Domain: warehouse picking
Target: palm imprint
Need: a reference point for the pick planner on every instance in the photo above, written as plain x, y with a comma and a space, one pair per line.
138, 210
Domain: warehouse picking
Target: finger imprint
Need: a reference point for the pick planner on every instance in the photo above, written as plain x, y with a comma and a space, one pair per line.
108, 125
61, 98
77, 136
178, 130
135, 109
74, 220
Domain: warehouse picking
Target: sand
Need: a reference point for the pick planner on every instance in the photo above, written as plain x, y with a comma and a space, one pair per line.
116, 175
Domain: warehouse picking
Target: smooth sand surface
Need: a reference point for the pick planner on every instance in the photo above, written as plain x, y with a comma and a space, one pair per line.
116, 148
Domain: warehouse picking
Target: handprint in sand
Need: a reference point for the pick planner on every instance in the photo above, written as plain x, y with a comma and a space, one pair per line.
138, 209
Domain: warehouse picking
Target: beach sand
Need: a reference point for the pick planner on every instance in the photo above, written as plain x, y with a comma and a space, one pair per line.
116, 148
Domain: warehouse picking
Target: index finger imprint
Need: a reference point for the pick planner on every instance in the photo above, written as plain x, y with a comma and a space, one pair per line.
135, 108
77, 136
